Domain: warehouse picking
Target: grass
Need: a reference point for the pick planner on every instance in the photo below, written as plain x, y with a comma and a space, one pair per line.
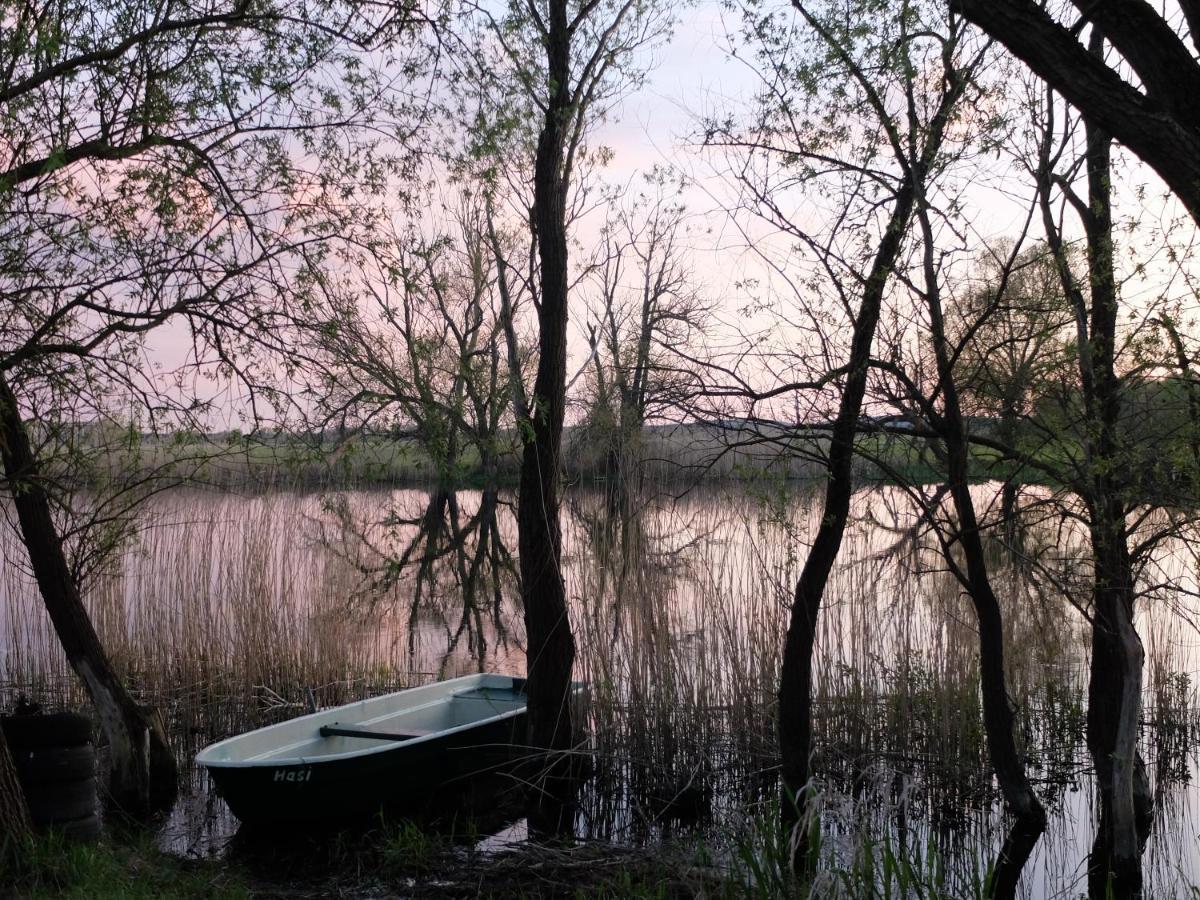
403, 861
409, 861
855, 864
52, 868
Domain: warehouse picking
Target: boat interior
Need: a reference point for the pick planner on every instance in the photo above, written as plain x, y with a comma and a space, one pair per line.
377, 724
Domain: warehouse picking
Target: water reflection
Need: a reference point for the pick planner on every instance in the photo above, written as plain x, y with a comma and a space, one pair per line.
438, 563
232, 606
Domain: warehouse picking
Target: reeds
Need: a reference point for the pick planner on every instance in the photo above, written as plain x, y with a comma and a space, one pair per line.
226, 608
222, 611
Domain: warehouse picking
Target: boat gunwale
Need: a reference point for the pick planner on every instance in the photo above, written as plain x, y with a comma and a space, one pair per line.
472, 681
384, 746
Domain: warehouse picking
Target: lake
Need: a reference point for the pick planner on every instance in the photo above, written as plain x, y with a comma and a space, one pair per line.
227, 607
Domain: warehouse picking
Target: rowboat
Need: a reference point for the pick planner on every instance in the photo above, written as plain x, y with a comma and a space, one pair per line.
351, 761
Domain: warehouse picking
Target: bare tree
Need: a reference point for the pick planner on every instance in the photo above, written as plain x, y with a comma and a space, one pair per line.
412, 341
940, 408
412, 345
644, 318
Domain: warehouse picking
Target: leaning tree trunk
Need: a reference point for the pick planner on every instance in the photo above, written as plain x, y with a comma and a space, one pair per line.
997, 709
795, 676
550, 645
143, 776
15, 828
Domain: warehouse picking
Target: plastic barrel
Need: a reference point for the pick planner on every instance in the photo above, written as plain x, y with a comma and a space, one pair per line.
56, 765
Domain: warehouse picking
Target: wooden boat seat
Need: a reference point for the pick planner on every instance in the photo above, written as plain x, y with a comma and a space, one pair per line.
504, 695
339, 730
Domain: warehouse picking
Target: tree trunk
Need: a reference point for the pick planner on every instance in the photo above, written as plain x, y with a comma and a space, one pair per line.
143, 774
1010, 523
1014, 853
551, 647
795, 676
1114, 705
1115, 684
997, 709
15, 829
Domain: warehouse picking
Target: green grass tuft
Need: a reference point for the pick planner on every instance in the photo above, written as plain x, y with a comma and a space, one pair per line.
54, 868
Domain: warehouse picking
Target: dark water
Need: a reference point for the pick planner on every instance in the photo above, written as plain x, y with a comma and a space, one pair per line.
228, 607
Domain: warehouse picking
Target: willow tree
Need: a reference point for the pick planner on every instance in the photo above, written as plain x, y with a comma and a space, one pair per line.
1016, 332
152, 173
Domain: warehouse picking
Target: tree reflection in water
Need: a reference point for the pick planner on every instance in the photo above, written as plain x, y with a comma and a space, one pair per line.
440, 564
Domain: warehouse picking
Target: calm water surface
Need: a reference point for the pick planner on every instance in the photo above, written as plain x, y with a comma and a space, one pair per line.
228, 607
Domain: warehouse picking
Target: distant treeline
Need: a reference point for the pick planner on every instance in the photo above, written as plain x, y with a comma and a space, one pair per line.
891, 449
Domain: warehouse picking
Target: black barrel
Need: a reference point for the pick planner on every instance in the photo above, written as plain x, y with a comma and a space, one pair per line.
56, 765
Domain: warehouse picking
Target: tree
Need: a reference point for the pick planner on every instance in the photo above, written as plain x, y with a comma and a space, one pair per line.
1115, 683
1154, 116
645, 315
1015, 331
963, 549
152, 173
1185, 366
898, 80
411, 341
567, 61
1098, 420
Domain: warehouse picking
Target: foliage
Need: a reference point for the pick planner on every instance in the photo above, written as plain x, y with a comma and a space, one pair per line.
171, 167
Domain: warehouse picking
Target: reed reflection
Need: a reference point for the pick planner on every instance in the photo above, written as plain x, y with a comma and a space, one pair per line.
231, 606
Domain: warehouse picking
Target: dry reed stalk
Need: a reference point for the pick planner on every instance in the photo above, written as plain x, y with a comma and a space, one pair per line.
226, 607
